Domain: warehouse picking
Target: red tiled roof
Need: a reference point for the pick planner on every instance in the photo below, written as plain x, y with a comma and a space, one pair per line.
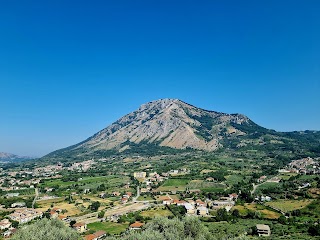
136, 225
99, 233
79, 224
90, 237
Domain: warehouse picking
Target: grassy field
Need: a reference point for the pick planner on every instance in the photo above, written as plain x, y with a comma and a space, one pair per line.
145, 198
174, 185
267, 185
206, 186
156, 212
307, 177
289, 205
266, 213
233, 179
286, 176
71, 208
109, 227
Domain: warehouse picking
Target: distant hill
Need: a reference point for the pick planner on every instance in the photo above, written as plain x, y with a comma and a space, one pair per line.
9, 157
172, 126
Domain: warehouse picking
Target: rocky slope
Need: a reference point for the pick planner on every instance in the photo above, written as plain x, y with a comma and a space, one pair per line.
174, 124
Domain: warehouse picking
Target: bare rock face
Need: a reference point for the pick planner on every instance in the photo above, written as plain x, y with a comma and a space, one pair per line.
166, 122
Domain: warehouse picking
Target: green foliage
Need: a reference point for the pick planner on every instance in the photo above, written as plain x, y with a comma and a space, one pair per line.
101, 214
95, 206
46, 229
188, 228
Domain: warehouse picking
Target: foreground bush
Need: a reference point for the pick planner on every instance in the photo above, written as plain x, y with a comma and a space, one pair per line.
189, 228
46, 229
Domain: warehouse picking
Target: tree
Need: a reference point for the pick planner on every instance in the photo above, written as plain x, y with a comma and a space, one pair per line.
46, 229
236, 213
72, 223
314, 230
222, 215
101, 214
95, 206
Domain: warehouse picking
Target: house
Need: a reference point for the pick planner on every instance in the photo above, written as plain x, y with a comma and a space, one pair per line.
263, 230
200, 203
18, 204
116, 194
103, 195
124, 200
233, 197
139, 174
62, 217
53, 214
5, 223
80, 227
210, 179
202, 211
25, 215
129, 194
265, 199
95, 236
223, 204
136, 226
87, 190
179, 202
9, 233
190, 208
261, 179
167, 201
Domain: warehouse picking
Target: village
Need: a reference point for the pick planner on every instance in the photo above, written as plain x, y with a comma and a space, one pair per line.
31, 194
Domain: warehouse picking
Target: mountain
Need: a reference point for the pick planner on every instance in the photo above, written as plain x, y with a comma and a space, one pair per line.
9, 157
171, 125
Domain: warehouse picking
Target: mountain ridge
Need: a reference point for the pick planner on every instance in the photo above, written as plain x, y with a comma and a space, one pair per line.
177, 125
4, 156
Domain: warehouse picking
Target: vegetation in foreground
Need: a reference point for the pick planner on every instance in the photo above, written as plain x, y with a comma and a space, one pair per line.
188, 228
46, 230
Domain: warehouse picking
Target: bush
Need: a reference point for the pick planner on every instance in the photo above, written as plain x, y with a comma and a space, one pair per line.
46, 229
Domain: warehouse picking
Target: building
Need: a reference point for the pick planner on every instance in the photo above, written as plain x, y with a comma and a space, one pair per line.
202, 211
53, 214
223, 204
190, 208
167, 201
80, 227
139, 174
25, 215
136, 226
18, 204
263, 230
96, 236
5, 223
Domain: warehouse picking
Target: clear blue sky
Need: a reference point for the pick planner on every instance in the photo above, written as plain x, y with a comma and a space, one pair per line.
70, 68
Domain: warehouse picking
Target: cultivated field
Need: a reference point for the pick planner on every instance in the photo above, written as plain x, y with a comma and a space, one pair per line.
161, 211
174, 185
289, 205
109, 227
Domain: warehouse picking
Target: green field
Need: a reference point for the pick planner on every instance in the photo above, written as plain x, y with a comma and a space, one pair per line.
267, 185
156, 212
145, 198
206, 186
289, 205
233, 179
109, 227
178, 184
